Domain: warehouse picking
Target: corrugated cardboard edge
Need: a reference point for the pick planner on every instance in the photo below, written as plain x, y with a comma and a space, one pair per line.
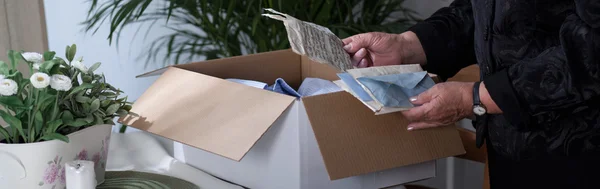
353, 141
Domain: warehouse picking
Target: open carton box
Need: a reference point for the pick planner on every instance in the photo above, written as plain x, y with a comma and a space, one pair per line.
325, 141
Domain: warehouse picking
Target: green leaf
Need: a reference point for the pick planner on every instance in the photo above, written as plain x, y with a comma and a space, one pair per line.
55, 136
110, 122
46, 100
61, 62
86, 107
86, 79
4, 68
94, 67
11, 102
71, 52
95, 105
77, 122
98, 119
122, 112
127, 107
4, 133
31, 135
80, 88
112, 109
47, 66
38, 122
13, 58
56, 69
13, 122
89, 118
108, 94
55, 124
67, 52
67, 116
82, 99
49, 55
105, 103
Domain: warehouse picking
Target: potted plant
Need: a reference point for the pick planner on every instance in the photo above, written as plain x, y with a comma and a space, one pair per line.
225, 28
62, 112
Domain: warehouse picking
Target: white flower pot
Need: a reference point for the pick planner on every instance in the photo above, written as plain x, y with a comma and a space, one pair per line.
41, 165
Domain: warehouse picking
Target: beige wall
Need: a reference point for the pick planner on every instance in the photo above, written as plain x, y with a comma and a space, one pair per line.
22, 27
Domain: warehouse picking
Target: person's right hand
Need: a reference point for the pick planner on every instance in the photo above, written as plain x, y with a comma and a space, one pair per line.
381, 49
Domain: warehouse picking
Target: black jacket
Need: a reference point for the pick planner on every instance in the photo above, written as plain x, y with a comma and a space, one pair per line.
540, 61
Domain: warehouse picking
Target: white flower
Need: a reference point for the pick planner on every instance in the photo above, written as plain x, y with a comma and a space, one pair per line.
36, 66
2, 77
60, 82
33, 57
80, 66
40, 80
8, 87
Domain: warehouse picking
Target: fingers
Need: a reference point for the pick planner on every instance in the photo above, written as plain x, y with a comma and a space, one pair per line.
420, 125
354, 43
357, 46
417, 114
424, 97
419, 117
359, 59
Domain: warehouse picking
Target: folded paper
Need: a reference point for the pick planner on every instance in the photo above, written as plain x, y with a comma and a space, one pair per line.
316, 42
394, 90
353, 85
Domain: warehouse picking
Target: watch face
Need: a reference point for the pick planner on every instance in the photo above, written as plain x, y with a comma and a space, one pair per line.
479, 110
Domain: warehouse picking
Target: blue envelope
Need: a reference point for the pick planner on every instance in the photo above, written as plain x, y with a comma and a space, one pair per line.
355, 87
394, 90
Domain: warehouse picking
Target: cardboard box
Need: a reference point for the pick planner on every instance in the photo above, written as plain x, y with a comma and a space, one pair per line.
324, 141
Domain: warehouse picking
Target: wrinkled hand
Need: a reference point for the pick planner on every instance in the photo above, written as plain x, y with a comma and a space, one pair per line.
443, 104
374, 49
383, 49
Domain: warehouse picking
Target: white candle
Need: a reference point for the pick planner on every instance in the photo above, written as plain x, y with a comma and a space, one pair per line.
80, 175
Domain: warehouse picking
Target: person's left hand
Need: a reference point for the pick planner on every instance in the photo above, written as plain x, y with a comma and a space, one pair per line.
443, 104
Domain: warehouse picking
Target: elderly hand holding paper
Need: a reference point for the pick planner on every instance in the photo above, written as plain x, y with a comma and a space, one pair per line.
442, 104
536, 104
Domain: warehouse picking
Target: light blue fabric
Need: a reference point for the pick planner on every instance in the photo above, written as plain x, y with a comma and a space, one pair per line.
282, 87
251, 83
315, 86
309, 87
355, 87
394, 90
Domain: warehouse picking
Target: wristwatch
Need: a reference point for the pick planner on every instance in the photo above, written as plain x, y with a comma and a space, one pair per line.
478, 108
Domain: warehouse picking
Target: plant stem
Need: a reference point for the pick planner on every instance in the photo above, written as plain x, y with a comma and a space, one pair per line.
55, 110
15, 134
35, 109
29, 124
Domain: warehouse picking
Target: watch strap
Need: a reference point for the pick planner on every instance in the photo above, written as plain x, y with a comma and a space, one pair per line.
476, 100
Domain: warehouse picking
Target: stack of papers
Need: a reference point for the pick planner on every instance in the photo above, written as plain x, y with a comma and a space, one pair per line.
386, 89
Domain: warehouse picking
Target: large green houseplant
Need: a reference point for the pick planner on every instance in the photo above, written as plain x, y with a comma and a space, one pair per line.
221, 28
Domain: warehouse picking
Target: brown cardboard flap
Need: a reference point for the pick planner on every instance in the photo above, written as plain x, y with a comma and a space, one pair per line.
264, 67
205, 112
311, 68
354, 141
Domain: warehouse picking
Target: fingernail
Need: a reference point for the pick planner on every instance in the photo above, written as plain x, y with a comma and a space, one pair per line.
348, 47
410, 128
363, 63
412, 99
361, 53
